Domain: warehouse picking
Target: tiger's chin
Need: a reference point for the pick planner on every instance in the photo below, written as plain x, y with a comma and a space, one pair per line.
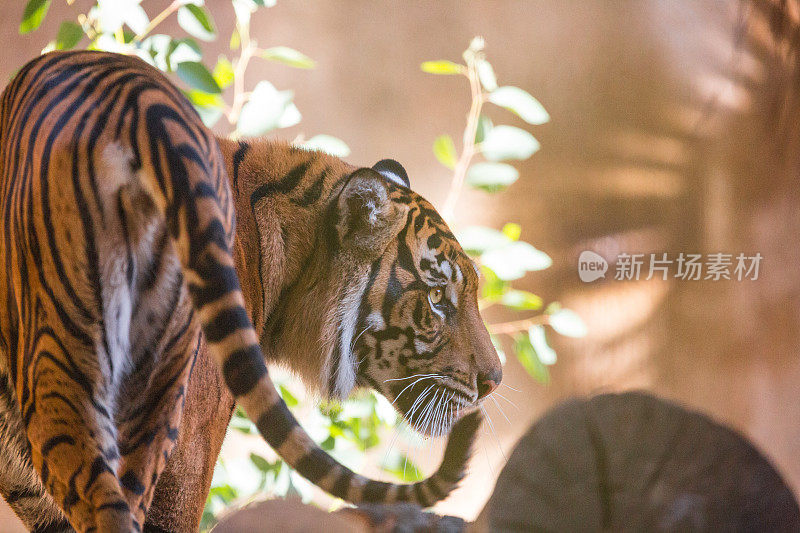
434, 415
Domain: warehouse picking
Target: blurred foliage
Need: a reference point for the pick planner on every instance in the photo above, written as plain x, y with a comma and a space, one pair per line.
215, 87
217, 90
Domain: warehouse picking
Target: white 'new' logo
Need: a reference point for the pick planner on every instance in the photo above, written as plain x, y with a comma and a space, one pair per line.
591, 266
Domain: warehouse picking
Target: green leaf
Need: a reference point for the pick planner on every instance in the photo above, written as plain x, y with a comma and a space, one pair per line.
544, 352
486, 75
328, 144
508, 142
288, 56
520, 102
568, 323
208, 106
445, 151
493, 287
69, 33
512, 231
526, 355
328, 444
196, 21
168, 52
491, 177
483, 129
223, 72
521, 300
442, 67
476, 240
32, 17
264, 465
197, 76
288, 397
513, 260
403, 468
236, 40
265, 110
241, 423
498, 346
226, 493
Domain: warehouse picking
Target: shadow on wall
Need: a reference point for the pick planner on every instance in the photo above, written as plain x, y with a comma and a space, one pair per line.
671, 132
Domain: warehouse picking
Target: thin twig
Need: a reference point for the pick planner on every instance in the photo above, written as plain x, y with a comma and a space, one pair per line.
158, 19
469, 150
515, 326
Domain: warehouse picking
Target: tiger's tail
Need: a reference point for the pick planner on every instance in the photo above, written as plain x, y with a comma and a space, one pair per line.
181, 167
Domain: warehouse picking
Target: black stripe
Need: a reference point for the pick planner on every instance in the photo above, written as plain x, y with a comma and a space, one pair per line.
71, 498
225, 281
238, 157
242, 370
225, 322
276, 423
375, 491
130, 481
459, 448
118, 505
21, 494
419, 496
286, 184
314, 192
315, 465
342, 485
98, 467
432, 485
402, 493
52, 442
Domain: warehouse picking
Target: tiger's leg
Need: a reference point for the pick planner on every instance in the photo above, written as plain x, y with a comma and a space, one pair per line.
66, 408
183, 486
154, 392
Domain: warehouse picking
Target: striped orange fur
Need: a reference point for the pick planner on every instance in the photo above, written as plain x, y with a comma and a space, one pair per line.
122, 257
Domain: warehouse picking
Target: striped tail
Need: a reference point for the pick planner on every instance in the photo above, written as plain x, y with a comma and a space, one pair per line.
181, 166
218, 300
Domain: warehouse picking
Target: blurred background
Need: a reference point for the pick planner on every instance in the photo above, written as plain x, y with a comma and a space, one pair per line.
672, 129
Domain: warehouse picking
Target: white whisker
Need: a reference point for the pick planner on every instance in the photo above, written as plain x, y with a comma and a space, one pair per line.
353, 342
493, 432
413, 376
392, 442
509, 386
497, 404
446, 418
495, 393
426, 413
437, 420
417, 401
408, 386
486, 453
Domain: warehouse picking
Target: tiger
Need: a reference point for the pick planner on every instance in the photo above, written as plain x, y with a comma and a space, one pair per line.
133, 237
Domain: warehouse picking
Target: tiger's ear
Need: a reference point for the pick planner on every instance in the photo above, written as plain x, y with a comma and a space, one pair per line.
368, 219
392, 171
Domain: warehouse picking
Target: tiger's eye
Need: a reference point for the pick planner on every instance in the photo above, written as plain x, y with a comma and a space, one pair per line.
435, 295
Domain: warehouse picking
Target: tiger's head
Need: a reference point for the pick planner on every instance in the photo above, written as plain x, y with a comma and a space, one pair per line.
408, 323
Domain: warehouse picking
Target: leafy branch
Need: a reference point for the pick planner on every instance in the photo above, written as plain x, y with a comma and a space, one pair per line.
123, 26
502, 256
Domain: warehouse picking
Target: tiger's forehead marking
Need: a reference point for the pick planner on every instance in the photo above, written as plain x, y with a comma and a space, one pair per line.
438, 259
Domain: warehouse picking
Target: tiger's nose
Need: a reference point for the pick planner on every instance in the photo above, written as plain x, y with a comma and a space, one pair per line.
488, 382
